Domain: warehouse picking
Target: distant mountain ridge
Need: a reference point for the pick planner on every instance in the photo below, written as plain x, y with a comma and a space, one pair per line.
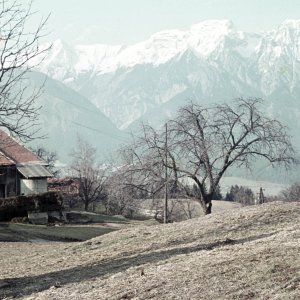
212, 61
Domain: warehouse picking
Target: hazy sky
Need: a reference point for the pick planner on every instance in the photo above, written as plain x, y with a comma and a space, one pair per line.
130, 21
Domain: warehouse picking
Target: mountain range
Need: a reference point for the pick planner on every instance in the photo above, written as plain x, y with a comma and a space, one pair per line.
211, 62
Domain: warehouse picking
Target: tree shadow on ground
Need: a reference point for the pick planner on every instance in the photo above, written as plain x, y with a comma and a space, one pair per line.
18, 287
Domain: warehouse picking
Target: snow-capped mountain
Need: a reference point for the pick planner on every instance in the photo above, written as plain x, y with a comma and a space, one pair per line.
278, 58
210, 62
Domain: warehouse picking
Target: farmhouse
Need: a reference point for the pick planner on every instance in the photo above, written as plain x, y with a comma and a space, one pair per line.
21, 171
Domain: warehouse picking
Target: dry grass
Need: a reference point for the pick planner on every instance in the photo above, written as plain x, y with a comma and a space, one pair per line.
249, 253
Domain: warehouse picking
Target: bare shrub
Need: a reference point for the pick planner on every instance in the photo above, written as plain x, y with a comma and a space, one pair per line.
292, 193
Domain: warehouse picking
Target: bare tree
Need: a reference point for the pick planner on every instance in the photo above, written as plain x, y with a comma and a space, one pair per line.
122, 196
19, 53
125, 196
292, 193
146, 173
50, 157
240, 194
91, 176
204, 142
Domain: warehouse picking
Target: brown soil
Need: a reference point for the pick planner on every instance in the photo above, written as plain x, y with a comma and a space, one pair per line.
248, 253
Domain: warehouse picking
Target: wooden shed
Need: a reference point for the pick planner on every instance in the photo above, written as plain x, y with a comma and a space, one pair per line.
21, 171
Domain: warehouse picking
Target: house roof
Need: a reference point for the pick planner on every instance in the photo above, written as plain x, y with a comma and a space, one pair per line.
4, 160
33, 171
12, 152
27, 163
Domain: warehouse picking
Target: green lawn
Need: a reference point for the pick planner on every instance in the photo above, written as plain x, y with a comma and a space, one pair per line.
10, 232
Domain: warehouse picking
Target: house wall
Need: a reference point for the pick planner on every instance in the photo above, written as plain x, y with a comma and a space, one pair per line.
8, 185
33, 186
63, 185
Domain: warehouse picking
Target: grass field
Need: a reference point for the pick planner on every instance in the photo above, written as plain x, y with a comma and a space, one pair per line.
37, 233
96, 225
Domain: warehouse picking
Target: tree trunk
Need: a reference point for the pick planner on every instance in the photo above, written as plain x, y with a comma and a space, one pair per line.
207, 204
86, 205
208, 208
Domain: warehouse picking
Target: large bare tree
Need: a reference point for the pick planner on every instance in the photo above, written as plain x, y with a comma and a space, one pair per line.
19, 53
91, 176
202, 143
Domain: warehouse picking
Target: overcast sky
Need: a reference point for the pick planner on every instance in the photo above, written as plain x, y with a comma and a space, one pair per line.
130, 21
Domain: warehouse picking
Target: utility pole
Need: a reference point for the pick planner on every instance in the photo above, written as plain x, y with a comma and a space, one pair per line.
261, 196
166, 178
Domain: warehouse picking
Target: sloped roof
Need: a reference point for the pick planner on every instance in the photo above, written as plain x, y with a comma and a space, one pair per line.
12, 152
34, 171
4, 160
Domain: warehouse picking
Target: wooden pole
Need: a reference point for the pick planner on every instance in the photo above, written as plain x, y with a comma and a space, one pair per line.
261, 196
166, 178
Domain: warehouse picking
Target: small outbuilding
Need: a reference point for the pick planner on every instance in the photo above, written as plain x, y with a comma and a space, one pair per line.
21, 171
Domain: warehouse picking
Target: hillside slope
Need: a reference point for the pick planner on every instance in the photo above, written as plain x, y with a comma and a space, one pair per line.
248, 253
65, 114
